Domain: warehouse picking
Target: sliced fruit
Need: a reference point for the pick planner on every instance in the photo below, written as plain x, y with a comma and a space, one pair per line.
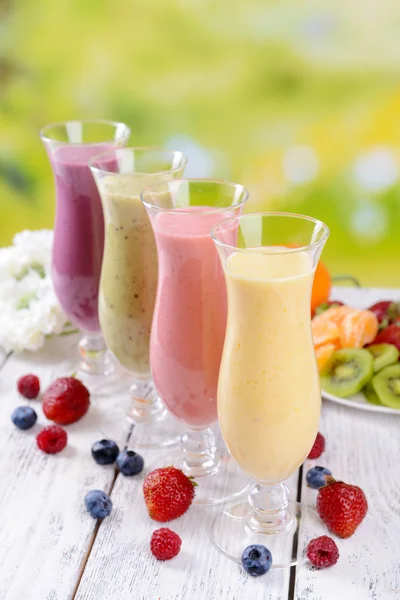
323, 354
387, 386
323, 331
370, 394
389, 335
336, 314
326, 305
346, 372
358, 328
384, 355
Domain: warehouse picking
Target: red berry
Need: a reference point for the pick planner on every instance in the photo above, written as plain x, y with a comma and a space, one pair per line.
386, 311
66, 400
168, 493
29, 386
342, 507
165, 544
389, 335
52, 439
318, 448
322, 552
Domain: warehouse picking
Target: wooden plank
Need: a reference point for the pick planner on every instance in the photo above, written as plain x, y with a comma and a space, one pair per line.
121, 566
45, 531
362, 448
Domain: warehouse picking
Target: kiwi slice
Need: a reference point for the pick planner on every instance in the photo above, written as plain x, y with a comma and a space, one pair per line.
370, 394
387, 386
346, 372
384, 355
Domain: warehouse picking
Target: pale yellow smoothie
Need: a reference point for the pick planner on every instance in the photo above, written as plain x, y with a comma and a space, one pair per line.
129, 273
268, 394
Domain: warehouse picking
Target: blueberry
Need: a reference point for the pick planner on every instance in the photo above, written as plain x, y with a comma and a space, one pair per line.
256, 560
129, 463
316, 477
98, 504
105, 452
24, 417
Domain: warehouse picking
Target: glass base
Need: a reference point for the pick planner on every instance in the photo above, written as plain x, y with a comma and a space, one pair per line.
232, 532
224, 484
100, 385
160, 433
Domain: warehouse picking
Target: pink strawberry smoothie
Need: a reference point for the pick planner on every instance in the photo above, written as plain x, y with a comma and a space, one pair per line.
79, 234
189, 322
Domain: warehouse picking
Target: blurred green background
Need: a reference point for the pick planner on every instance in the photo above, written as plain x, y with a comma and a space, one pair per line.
298, 101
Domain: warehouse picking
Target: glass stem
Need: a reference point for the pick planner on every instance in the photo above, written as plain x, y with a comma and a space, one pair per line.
270, 513
199, 452
146, 404
96, 359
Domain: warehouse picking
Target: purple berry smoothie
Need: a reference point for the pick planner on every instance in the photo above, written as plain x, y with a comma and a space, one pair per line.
78, 234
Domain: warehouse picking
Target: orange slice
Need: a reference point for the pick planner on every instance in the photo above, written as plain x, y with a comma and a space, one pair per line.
337, 313
323, 354
358, 328
324, 331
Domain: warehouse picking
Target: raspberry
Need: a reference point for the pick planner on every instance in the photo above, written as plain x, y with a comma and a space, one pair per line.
318, 448
165, 544
66, 400
29, 386
52, 439
322, 552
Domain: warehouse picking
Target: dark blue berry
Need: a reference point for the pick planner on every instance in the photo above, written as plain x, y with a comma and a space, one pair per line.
105, 452
316, 477
130, 463
24, 417
98, 504
256, 560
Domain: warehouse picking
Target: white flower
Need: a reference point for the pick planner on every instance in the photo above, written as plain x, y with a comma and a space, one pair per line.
29, 310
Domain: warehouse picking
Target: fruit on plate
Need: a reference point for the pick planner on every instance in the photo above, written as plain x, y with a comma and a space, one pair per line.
358, 328
324, 331
384, 355
386, 311
325, 305
370, 394
321, 287
387, 386
323, 354
66, 400
342, 507
346, 372
168, 493
389, 335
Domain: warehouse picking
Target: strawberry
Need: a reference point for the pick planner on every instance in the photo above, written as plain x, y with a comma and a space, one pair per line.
341, 506
386, 311
168, 493
66, 400
389, 335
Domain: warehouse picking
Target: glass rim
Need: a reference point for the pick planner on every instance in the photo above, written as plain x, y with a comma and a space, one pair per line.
150, 149
194, 180
46, 128
300, 217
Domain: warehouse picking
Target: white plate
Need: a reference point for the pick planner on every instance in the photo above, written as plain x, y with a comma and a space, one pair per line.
359, 401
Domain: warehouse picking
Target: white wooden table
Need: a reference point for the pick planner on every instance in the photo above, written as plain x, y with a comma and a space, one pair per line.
51, 549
